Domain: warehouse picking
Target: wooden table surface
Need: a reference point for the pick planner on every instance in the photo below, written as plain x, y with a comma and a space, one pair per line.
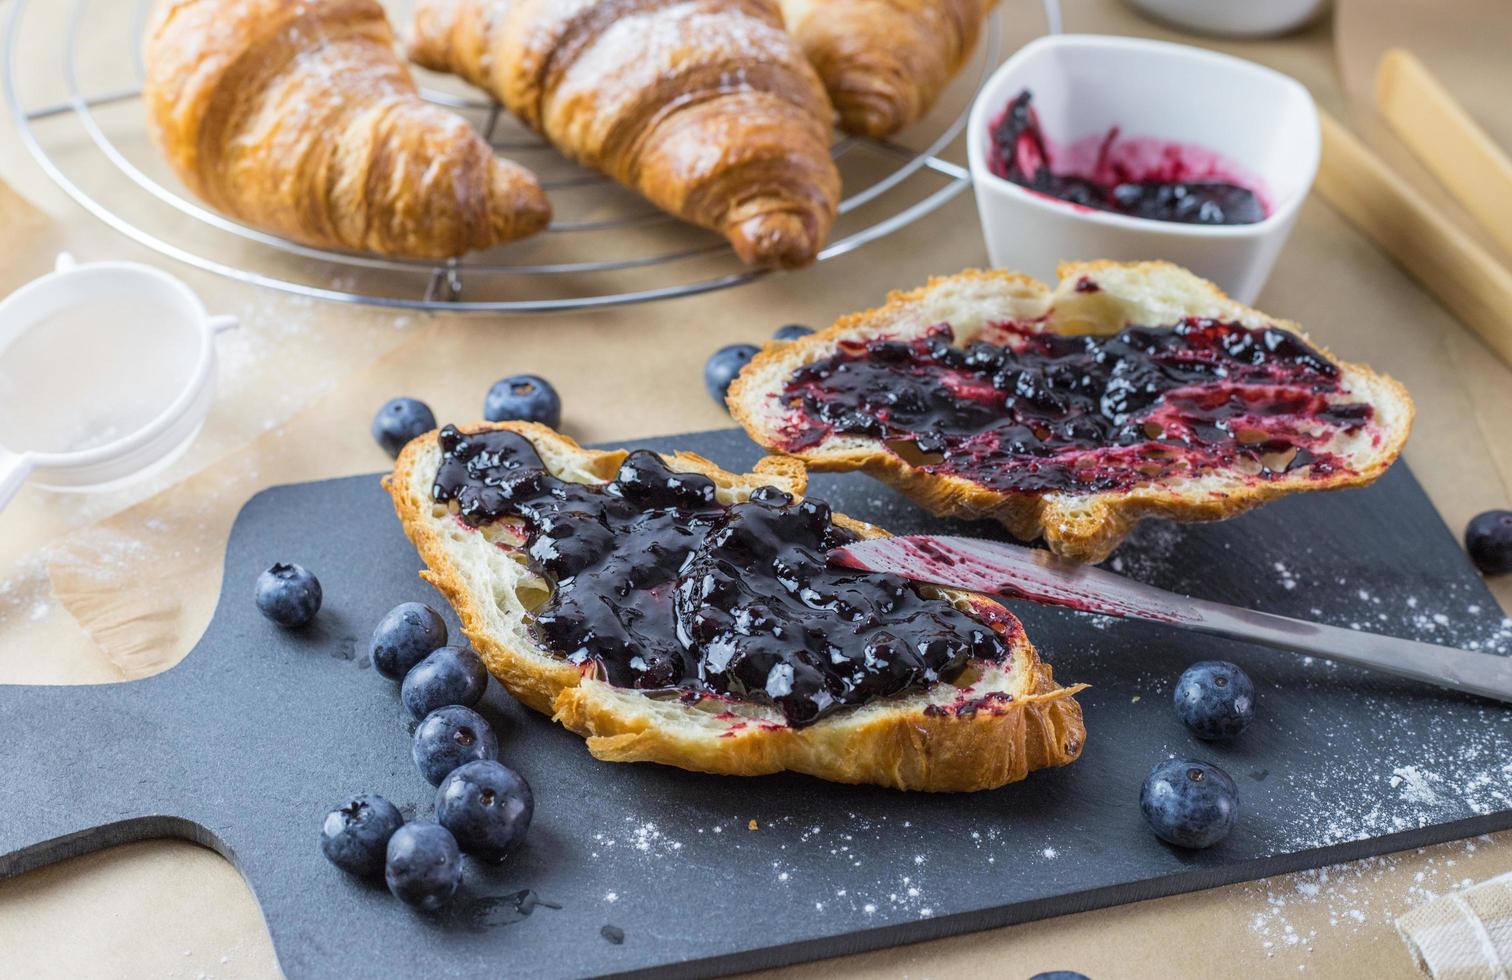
300, 381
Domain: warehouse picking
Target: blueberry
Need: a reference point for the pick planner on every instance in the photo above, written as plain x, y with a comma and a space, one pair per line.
288, 594
405, 635
1060, 975
722, 367
487, 806
523, 398
355, 835
1215, 699
1488, 538
399, 421
1189, 804
449, 675
792, 332
449, 737
423, 867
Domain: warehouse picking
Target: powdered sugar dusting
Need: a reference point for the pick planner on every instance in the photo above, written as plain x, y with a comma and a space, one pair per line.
1449, 613
1349, 900
721, 51
874, 884
1416, 785
643, 837
25, 594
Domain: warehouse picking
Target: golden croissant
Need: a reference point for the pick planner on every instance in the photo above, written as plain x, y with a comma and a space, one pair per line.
298, 117
707, 107
885, 62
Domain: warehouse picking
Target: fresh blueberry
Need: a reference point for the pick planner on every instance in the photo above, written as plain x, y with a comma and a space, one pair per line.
722, 367
405, 636
1489, 541
355, 835
792, 331
449, 737
523, 398
288, 594
1215, 699
1189, 804
423, 867
399, 421
487, 806
1060, 975
450, 675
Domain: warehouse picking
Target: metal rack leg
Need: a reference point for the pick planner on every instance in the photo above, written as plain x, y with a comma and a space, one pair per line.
445, 284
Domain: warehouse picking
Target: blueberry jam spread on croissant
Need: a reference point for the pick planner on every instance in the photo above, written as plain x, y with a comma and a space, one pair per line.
1165, 182
1047, 413
667, 589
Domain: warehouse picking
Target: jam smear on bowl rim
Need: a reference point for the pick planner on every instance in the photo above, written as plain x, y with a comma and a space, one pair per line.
1137, 177
1043, 412
666, 589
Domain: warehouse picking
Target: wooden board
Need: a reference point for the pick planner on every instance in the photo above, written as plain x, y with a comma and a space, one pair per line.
246, 744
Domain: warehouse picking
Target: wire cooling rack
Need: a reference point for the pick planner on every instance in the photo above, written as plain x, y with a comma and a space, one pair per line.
73, 76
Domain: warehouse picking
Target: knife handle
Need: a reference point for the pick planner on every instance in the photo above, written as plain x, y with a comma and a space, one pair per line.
1485, 674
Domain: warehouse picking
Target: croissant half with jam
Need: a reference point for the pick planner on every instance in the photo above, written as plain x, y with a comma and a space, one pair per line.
1129, 390
674, 612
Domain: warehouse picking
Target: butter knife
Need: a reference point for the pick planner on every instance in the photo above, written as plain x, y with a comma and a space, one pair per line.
1016, 572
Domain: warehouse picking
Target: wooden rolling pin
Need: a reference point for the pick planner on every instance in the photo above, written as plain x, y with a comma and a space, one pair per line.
1467, 279
1440, 133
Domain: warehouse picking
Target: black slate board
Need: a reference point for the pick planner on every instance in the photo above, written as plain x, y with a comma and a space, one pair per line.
246, 744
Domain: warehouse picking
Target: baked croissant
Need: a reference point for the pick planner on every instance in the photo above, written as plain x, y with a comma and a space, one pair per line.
706, 107
298, 117
885, 62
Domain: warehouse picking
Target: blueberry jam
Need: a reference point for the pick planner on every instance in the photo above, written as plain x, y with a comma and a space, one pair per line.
1046, 412
1161, 187
667, 589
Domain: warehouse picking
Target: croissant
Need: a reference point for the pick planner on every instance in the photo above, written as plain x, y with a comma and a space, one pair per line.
706, 107
298, 117
885, 62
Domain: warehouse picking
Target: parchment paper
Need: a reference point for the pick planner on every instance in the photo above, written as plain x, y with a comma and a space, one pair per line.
142, 581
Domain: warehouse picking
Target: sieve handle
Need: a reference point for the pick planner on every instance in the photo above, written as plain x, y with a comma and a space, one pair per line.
14, 469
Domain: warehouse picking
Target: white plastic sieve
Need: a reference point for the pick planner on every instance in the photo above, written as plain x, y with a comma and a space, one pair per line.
107, 371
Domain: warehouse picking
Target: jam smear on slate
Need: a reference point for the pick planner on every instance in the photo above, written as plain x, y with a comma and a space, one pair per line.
1167, 188
1045, 412
667, 589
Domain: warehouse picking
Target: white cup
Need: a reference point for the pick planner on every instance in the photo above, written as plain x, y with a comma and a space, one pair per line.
1083, 85
1234, 18
62, 333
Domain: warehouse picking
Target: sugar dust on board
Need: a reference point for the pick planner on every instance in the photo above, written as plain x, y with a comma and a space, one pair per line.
1141, 177
86, 376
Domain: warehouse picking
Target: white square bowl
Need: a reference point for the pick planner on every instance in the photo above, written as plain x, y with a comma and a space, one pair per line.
1083, 85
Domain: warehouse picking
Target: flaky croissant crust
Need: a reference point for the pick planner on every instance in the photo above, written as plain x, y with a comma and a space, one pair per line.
707, 107
301, 119
885, 62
